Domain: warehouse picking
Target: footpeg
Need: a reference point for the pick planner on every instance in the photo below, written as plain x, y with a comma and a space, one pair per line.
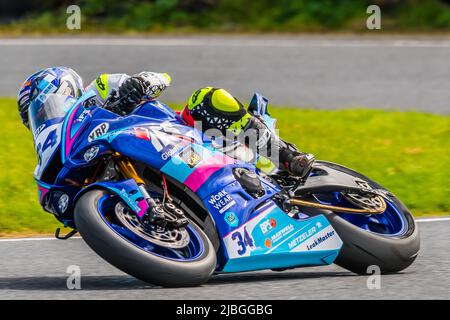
67, 236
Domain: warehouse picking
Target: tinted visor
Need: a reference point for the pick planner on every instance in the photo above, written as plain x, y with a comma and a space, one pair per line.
55, 106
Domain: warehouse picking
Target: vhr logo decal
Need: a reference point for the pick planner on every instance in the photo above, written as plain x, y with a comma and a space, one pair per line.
98, 131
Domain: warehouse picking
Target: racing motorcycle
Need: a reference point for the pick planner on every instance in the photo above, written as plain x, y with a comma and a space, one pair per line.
162, 202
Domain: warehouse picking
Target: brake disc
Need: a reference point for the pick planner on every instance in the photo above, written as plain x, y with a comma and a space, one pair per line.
175, 238
364, 201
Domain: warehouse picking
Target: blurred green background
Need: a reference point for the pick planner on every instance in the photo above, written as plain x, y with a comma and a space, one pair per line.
30, 16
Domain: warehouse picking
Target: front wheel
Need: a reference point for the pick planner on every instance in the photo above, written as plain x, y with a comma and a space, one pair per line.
156, 258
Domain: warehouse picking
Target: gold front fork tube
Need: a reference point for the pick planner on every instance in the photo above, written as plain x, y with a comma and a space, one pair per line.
129, 172
127, 169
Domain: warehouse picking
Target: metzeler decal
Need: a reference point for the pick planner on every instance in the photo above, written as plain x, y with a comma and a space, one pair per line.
302, 237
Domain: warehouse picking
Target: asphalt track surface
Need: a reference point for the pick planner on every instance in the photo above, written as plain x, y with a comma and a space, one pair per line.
36, 269
316, 72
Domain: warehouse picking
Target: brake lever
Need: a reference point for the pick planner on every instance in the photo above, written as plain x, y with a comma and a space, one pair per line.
109, 104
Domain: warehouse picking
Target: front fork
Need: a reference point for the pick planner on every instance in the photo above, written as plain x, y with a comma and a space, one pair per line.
157, 214
127, 169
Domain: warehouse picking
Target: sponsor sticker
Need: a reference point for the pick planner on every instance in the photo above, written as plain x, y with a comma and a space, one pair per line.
83, 116
39, 129
268, 225
91, 153
319, 240
172, 150
98, 131
302, 237
100, 83
134, 206
325, 239
190, 157
63, 203
231, 219
221, 201
142, 133
276, 237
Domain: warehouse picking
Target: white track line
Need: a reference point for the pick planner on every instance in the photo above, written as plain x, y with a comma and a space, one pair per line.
433, 219
224, 42
51, 239
32, 239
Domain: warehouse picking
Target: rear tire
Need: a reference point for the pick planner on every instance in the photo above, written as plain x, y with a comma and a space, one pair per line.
135, 261
362, 248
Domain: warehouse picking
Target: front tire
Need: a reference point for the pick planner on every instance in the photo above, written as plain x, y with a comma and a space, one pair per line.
135, 261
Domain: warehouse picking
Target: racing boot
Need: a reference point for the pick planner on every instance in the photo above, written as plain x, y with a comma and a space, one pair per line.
298, 163
278, 151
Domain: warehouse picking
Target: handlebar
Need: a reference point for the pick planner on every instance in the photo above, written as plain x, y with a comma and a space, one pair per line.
113, 106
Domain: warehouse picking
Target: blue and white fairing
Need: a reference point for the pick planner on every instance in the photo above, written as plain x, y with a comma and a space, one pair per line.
254, 233
257, 234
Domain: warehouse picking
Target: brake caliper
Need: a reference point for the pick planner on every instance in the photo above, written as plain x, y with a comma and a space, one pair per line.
167, 215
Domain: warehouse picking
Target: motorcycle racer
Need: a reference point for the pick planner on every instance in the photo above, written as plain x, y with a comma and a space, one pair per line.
216, 108
65, 81
212, 107
157, 200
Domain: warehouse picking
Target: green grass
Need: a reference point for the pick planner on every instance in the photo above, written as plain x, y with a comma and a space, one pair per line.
19, 208
232, 16
408, 152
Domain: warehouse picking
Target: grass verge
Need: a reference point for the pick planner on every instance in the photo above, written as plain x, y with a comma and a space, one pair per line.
407, 152
231, 16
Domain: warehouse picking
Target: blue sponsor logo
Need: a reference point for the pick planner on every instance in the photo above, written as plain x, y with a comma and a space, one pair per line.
320, 240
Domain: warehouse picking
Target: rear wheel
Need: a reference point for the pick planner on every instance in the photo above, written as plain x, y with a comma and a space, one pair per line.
167, 257
389, 240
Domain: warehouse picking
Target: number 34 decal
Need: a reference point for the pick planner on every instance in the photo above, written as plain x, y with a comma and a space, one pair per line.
243, 240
